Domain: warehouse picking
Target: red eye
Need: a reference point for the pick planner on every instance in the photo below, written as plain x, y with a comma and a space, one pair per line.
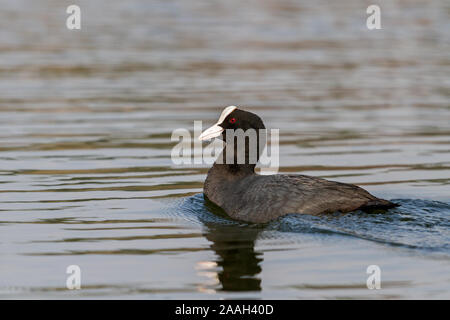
232, 120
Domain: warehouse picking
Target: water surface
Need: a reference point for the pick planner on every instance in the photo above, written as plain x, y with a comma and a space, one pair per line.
86, 176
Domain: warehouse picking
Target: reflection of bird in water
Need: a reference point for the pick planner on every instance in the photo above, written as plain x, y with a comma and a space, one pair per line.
237, 257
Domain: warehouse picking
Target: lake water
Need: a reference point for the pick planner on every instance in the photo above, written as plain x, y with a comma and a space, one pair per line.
86, 176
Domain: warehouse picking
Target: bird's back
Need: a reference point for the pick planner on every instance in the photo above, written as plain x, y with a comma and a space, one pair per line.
261, 198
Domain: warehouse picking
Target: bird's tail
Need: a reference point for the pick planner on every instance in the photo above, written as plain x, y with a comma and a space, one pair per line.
378, 204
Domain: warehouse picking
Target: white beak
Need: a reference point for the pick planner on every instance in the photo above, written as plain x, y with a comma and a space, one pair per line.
216, 129
211, 132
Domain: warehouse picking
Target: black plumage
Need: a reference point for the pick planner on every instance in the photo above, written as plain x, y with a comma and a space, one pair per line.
247, 196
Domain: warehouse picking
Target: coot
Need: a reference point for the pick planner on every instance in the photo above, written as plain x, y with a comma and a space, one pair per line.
244, 195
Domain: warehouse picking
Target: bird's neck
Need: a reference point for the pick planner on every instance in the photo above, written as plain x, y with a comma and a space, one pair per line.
224, 175
240, 159
234, 169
